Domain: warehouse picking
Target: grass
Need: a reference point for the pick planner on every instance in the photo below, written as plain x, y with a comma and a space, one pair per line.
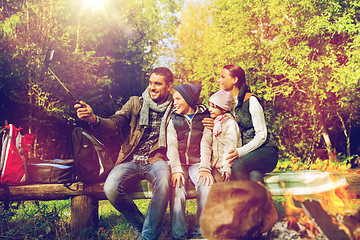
51, 220
116, 227
35, 220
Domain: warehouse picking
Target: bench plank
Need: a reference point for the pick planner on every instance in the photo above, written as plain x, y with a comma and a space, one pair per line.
46, 192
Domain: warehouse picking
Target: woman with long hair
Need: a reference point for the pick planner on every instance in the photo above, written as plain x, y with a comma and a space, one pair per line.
258, 154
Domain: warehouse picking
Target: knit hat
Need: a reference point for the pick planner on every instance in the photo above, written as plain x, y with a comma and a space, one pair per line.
190, 93
222, 99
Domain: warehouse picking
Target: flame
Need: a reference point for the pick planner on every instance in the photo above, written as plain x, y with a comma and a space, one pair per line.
331, 203
290, 207
335, 202
296, 218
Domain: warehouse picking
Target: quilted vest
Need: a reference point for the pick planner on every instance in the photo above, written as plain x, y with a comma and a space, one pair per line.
243, 118
189, 134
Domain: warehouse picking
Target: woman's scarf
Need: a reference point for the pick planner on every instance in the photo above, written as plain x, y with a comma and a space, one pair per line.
217, 124
164, 107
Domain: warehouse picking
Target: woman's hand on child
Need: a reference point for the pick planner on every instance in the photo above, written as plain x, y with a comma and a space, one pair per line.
233, 155
178, 178
207, 177
208, 123
226, 176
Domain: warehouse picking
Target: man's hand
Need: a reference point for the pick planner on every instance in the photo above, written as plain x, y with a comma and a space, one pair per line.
208, 123
207, 177
233, 155
225, 176
85, 112
178, 178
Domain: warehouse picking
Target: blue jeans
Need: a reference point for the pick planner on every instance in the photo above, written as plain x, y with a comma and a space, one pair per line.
178, 203
126, 175
253, 165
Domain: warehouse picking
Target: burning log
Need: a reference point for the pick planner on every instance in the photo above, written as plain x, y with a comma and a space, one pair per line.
238, 210
323, 221
331, 219
352, 222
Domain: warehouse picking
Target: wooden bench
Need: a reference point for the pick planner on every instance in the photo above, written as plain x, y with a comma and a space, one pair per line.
85, 197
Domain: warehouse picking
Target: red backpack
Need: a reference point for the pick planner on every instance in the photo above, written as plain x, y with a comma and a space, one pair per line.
14, 153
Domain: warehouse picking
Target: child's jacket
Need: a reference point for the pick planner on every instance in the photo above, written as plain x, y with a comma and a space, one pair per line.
228, 139
188, 141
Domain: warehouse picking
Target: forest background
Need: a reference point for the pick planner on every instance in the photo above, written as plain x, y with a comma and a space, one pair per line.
302, 57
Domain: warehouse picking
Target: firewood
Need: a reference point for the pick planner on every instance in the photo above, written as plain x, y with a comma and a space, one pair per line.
323, 221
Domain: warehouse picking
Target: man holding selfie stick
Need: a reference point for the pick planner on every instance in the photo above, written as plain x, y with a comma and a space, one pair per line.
142, 123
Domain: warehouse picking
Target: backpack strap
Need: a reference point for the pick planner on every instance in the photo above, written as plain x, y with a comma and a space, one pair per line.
18, 142
4, 140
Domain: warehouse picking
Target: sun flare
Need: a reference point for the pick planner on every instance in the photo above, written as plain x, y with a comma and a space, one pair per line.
94, 5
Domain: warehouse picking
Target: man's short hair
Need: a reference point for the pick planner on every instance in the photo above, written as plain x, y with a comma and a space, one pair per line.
165, 72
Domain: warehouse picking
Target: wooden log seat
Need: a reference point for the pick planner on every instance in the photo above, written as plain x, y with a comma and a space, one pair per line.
85, 197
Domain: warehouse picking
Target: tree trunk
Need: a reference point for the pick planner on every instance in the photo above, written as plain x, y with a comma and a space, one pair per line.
77, 40
347, 136
28, 75
325, 132
328, 144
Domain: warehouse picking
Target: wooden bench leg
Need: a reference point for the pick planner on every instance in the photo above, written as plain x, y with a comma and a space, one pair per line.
84, 213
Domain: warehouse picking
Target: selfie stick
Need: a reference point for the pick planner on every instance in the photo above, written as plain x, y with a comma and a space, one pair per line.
49, 56
63, 85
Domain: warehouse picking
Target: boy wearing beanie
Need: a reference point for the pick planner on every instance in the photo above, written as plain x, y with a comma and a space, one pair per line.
226, 133
189, 154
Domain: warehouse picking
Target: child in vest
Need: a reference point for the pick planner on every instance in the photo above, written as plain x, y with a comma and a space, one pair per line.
226, 134
189, 154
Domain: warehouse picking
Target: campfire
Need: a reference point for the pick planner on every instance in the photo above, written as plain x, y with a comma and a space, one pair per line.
318, 207
327, 215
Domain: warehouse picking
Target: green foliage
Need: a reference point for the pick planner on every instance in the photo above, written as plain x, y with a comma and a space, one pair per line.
290, 163
301, 57
102, 54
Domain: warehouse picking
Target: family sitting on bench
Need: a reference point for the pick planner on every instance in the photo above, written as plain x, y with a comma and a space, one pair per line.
170, 138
